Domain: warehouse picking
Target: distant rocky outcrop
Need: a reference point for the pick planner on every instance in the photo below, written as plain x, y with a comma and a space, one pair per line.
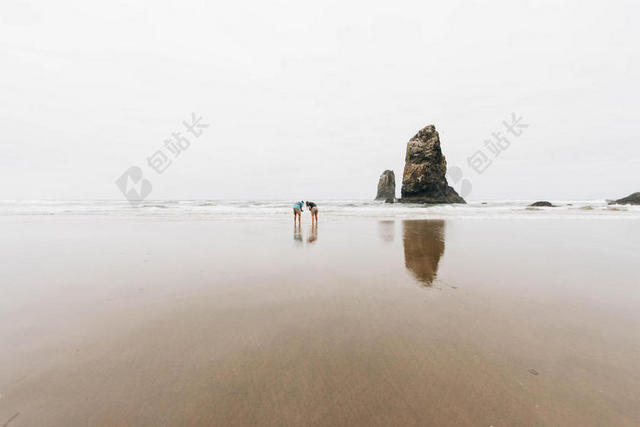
425, 168
387, 186
542, 205
633, 199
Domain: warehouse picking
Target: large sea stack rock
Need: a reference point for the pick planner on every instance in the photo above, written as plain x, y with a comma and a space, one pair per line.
387, 186
633, 199
425, 168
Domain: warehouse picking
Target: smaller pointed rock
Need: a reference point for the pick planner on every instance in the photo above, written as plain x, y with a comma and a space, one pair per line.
387, 186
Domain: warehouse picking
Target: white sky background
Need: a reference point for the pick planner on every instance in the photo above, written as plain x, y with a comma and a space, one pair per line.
313, 100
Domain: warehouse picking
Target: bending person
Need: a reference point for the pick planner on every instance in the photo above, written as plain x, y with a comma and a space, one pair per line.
313, 208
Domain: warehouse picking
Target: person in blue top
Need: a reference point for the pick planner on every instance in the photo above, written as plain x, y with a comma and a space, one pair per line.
297, 209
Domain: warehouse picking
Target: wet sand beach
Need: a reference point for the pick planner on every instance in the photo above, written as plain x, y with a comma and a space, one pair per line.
376, 321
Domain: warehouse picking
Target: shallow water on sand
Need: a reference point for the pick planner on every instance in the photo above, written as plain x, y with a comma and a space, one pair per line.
138, 321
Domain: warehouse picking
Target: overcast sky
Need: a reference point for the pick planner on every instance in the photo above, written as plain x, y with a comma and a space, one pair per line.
314, 100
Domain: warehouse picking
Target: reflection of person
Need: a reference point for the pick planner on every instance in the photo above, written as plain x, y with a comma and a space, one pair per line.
314, 233
297, 209
313, 208
297, 233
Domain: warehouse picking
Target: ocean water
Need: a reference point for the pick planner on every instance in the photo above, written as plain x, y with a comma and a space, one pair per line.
279, 209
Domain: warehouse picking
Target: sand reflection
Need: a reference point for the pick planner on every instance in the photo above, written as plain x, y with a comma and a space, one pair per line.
297, 233
423, 246
310, 236
386, 230
313, 235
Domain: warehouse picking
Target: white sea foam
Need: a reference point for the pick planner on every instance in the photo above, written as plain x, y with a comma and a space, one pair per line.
238, 209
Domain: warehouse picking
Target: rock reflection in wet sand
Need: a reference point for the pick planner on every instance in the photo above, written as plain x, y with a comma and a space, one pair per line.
386, 230
423, 246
